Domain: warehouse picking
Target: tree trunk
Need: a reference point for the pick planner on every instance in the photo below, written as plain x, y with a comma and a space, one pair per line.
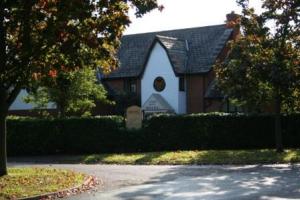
61, 106
5, 102
278, 129
3, 106
3, 154
3, 115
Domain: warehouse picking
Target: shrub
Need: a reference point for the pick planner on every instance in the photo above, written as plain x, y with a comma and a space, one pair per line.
29, 136
67, 136
211, 132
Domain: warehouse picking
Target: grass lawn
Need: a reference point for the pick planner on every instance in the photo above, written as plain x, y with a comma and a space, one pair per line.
27, 182
266, 156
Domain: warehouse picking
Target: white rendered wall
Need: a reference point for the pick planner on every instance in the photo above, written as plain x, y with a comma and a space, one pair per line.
19, 104
159, 65
182, 103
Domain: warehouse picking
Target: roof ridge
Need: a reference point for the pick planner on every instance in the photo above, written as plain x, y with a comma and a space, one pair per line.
179, 29
167, 37
205, 43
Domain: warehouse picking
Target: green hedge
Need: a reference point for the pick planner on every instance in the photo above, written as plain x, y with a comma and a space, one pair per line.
63, 136
107, 134
220, 131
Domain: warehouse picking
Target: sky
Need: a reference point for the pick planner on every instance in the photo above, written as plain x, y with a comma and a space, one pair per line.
179, 14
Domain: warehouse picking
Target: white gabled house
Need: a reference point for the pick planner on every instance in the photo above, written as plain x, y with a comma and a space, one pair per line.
160, 74
170, 71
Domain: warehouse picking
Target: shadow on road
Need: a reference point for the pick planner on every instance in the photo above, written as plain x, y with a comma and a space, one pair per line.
212, 182
216, 182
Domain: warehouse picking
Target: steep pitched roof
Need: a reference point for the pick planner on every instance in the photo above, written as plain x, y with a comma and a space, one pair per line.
213, 92
204, 45
177, 51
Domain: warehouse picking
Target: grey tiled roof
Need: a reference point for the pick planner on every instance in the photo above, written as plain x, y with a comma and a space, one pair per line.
204, 45
177, 52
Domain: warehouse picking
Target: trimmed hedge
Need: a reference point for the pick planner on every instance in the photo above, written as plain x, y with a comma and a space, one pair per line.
186, 132
62, 136
220, 131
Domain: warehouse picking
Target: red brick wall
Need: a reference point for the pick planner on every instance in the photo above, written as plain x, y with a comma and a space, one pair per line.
197, 86
116, 84
195, 93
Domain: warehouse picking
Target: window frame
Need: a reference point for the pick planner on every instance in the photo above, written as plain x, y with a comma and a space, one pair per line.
163, 86
130, 86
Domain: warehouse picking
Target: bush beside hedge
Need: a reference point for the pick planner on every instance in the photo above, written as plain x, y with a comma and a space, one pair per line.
162, 133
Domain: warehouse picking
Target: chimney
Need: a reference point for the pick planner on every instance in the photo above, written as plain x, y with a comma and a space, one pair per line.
233, 20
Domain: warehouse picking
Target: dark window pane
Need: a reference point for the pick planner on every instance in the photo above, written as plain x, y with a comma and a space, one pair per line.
181, 84
130, 86
159, 84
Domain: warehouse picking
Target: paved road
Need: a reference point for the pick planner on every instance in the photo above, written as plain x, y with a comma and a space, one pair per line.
265, 182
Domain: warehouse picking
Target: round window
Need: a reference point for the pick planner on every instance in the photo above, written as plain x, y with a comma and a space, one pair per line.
159, 84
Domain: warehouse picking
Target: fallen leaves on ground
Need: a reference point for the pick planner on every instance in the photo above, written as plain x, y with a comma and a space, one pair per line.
27, 182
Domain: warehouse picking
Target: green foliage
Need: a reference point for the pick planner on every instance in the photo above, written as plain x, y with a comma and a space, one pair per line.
263, 64
161, 133
47, 34
123, 100
39, 98
68, 136
39, 38
74, 93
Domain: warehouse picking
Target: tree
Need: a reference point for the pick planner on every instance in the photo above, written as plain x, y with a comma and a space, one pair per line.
263, 65
38, 37
74, 93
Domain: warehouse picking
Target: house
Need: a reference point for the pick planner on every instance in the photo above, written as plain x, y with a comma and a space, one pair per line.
19, 107
172, 71
167, 71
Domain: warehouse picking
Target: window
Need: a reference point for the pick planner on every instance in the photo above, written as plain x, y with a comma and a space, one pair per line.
181, 84
130, 86
159, 84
